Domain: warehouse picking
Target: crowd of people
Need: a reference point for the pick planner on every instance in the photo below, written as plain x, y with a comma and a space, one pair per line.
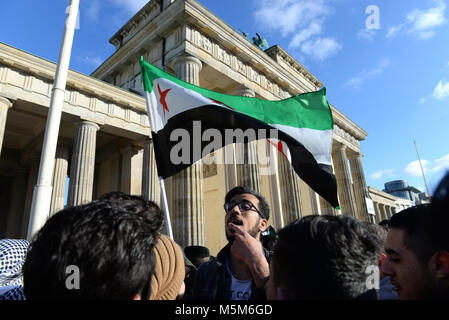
115, 248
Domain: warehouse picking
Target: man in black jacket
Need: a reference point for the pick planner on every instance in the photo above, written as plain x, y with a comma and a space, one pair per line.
241, 268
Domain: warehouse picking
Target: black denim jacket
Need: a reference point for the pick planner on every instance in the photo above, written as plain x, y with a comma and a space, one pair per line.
213, 282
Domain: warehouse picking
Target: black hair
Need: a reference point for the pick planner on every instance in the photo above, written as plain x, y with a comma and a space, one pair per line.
110, 243
325, 256
384, 223
264, 208
440, 215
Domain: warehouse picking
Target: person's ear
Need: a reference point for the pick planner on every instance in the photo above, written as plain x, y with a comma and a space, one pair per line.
263, 225
137, 297
382, 258
440, 262
284, 294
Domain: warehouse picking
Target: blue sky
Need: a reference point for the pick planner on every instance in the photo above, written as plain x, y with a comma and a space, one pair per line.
392, 81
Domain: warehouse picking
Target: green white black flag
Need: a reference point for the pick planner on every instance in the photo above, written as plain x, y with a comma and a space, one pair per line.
304, 124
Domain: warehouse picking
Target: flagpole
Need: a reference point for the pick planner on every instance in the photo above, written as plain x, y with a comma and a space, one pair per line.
165, 208
43, 189
422, 170
161, 180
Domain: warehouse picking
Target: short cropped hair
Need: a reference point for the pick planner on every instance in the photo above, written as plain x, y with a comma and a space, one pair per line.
110, 243
264, 208
325, 256
415, 222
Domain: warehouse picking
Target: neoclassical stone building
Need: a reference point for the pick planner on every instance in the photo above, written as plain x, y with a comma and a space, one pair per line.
104, 138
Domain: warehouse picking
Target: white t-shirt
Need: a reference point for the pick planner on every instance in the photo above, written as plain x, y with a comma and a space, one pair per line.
240, 289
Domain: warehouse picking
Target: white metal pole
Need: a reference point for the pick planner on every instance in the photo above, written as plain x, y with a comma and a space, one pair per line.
42, 191
152, 121
165, 208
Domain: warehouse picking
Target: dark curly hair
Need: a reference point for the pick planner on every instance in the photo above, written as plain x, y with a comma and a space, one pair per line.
110, 242
325, 256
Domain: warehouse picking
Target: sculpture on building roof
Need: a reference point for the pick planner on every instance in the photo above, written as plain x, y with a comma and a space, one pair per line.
260, 42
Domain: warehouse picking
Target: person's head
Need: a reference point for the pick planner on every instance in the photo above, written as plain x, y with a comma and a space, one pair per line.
384, 223
381, 233
247, 209
269, 238
416, 267
322, 257
12, 256
169, 273
100, 250
440, 215
197, 254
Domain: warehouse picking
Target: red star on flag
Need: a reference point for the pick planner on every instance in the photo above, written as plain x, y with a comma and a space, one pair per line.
278, 146
163, 95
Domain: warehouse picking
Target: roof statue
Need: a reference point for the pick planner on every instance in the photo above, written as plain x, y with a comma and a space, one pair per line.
260, 42
245, 34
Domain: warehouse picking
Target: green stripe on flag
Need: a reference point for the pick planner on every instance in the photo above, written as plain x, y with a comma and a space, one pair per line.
307, 110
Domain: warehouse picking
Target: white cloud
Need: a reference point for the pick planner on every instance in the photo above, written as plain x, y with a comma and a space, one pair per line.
387, 173
356, 81
421, 23
430, 167
394, 31
441, 163
313, 30
303, 20
441, 91
366, 34
414, 169
321, 48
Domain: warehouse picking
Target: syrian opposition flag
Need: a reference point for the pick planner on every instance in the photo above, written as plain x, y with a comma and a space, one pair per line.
303, 122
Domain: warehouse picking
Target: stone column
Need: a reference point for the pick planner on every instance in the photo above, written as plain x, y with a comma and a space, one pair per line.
326, 208
377, 210
344, 185
313, 201
248, 173
32, 180
360, 189
115, 175
126, 182
290, 192
5, 104
188, 198
59, 178
83, 164
387, 212
230, 167
151, 189
15, 216
382, 211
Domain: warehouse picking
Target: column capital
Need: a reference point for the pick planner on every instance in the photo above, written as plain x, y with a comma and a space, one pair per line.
355, 155
186, 59
338, 146
244, 91
85, 123
5, 102
129, 149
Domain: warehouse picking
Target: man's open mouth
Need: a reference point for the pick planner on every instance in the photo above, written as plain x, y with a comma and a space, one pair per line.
235, 221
